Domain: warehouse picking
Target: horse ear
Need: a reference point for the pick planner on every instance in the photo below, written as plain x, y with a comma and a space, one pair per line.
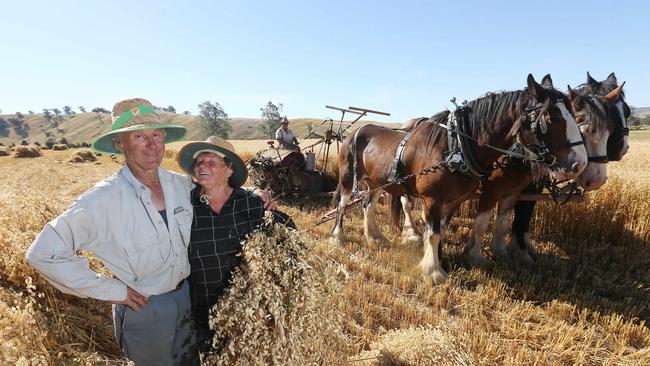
614, 95
590, 80
572, 93
535, 89
612, 79
547, 82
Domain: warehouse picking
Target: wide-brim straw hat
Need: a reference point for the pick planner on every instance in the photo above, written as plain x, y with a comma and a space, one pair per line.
216, 145
132, 115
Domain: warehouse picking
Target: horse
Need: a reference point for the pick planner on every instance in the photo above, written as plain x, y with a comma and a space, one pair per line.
594, 115
537, 117
617, 147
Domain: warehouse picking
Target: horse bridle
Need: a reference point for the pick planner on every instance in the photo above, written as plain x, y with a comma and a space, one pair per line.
539, 127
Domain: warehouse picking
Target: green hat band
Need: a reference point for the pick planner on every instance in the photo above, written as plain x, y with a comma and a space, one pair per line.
131, 114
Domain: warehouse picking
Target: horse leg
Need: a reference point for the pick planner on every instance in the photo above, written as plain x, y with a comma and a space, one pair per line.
408, 232
336, 236
370, 229
474, 245
430, 263
520, 245
500, 229
472, 251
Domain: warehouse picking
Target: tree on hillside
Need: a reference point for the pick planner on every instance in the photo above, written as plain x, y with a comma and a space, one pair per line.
30, 112
215, 119
170, 109
58, 116
4, 127
20, 127
98, 111
20, 116
186, 112
271, 119
82, 109
49, 117
68, 110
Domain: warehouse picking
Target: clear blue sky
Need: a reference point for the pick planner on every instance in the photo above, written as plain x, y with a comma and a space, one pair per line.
404, 57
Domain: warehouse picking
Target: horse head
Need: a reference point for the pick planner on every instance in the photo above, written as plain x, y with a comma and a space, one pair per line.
594, 117
617, 145
550, 131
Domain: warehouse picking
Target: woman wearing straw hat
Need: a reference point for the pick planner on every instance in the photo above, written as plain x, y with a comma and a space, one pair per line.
223, 215
137, 222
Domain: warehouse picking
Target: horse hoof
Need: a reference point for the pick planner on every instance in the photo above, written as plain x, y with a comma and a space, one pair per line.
438, 276
411, 239
519, 254
336, 241
500, 252
477, 260
376, 240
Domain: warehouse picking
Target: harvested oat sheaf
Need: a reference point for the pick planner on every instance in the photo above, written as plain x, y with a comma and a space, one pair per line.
82, 156
31, 151
424, 345
283, 306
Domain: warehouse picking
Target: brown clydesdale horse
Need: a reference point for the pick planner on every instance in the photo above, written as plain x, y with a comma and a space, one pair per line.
496, 120
601, 119
617, 147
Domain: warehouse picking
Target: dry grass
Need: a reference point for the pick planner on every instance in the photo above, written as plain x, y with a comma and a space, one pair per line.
4, 151
585, 301
59, 147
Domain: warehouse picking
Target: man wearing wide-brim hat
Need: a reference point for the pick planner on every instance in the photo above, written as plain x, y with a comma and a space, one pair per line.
137, 223
285, 136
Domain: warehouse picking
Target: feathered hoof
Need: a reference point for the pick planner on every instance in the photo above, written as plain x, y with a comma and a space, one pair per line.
376, 240
336, 241
438, 276
500, 252
411, 238
517, 253
476, 260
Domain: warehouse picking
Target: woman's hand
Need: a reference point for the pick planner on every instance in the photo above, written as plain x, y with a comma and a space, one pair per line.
265, 196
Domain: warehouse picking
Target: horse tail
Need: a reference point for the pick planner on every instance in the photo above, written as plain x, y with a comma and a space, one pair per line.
395, 211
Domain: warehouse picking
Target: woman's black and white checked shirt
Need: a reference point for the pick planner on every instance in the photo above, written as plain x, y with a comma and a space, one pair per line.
215, 243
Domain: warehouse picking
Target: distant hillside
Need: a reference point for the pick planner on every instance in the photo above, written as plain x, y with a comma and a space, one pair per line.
641, 111
86, 127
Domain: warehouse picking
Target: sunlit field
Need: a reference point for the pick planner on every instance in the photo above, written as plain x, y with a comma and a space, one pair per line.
585, 301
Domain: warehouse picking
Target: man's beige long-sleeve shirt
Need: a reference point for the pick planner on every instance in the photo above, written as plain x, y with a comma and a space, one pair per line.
117, 221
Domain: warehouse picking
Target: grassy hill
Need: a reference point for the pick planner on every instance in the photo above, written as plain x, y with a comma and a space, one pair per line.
86, 127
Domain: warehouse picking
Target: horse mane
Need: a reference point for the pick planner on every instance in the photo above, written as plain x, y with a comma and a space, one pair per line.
596, 112
481, 116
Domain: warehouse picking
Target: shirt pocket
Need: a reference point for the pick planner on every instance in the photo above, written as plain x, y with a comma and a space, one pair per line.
144, 256
184, 223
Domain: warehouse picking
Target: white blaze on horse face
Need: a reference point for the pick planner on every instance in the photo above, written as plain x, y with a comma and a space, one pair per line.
578, 153
619, 107
595, 175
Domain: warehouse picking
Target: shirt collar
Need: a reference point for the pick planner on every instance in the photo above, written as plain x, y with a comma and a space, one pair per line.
138, 186
196, 195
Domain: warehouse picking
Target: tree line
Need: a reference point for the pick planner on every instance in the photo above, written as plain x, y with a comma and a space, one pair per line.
214, 119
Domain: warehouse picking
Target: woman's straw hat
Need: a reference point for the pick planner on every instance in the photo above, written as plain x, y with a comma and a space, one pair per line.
216, 145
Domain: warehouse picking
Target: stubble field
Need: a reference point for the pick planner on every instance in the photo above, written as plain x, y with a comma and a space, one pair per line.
585, 301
